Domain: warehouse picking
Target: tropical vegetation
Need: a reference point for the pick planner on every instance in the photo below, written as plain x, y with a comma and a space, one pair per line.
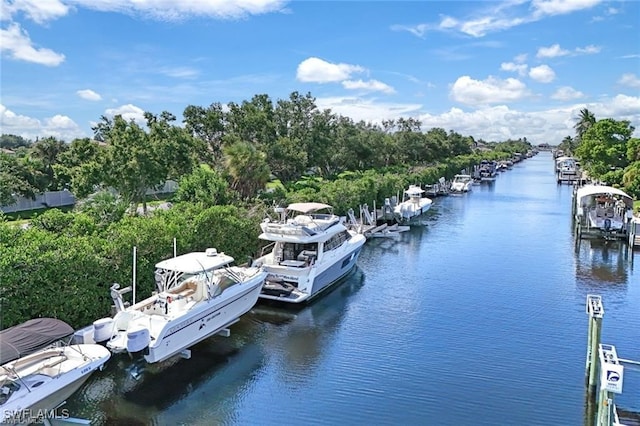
232, 164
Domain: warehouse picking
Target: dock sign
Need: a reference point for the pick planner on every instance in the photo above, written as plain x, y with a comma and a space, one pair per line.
611, 378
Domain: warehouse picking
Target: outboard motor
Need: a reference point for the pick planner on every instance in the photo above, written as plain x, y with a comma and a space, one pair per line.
138, 338
102, 329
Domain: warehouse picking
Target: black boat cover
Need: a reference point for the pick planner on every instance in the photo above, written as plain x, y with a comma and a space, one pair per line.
28, 337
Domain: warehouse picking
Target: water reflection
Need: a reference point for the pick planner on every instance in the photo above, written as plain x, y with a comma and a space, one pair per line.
130, 392
301, 341
601, 263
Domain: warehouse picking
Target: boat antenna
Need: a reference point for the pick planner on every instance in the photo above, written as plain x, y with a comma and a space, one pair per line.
133, 285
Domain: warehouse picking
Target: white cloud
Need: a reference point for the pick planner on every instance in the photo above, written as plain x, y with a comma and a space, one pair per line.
555, 51
369, 86
630, 80
588, 50
128, 112
15, 43
561, 7
499, 16
180, 72
567, 93
173, 10
542, 74
520, 59
490, 91
488, 24
38, 11
367, 109
491, 123
521, 69
59, 126
316, 70
552, 51
89, 95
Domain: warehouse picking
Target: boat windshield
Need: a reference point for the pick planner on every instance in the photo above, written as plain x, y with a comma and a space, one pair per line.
168, 279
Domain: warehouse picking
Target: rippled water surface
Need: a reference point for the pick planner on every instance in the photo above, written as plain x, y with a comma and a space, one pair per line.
477, 318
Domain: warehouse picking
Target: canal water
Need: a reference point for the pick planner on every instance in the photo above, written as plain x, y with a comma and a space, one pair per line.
475, 318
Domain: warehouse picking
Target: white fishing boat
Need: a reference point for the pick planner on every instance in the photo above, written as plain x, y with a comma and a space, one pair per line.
603, 209
198, 295
412, 206
33, 386
311, 249
461, 183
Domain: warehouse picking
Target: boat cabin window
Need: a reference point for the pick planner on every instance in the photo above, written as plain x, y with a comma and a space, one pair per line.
293, 251
337, 240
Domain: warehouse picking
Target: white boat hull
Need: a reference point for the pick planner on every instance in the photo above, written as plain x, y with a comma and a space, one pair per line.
201, 322
38, 403
318, 277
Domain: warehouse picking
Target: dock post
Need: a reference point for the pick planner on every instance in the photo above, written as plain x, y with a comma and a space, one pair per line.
611, 381
595, 310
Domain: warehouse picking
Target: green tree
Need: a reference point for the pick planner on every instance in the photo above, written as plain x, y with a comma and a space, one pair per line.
246, 166
204, 186
78, 166
603, 149
47, 151
208, 125
13, 141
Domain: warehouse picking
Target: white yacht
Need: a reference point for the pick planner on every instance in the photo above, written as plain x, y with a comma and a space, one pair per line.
33, 386
413, 205
198, 295
604, 209
310, 251
461, 183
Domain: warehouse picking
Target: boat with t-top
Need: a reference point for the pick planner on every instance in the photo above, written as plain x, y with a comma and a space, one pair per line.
311, 249
199, 294
412, 206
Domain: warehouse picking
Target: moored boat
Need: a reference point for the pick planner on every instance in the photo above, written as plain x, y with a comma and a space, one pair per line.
461, 183
199, 294
603, 211
413, 205
311, 249
33, 386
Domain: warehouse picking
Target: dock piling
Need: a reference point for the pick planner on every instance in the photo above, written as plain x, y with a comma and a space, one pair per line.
595, 310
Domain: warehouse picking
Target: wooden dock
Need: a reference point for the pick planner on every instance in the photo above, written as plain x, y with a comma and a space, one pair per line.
368, 225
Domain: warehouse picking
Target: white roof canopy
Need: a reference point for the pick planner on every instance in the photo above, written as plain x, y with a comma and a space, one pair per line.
307, 207
196, 262
588, 190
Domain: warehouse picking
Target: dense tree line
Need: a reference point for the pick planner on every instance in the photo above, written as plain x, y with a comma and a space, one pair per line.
232, 164
247, 142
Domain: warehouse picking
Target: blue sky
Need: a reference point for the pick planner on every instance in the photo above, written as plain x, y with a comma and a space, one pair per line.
491, 69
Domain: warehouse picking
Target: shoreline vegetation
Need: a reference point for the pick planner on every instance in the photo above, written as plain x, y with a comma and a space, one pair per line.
232, 165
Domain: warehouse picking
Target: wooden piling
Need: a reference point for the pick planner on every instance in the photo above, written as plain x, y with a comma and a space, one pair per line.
595, 310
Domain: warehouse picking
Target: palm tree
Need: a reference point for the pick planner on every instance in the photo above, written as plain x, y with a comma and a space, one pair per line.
567, 145
586, 119
246, 166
